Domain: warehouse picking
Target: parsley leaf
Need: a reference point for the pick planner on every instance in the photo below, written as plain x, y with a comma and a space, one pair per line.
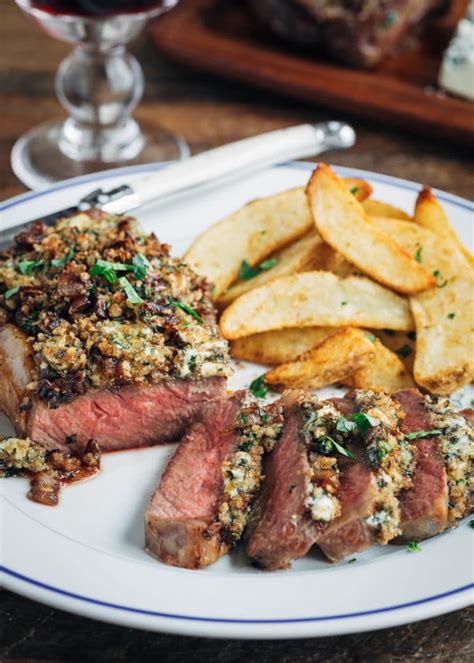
60, 262
451, 316
439, 277
418, 254
258, 387
12, 291
106, 270
247, 272
354, 190
132, 295
370, 336
351, 561
343, 425
186, 308
27, 266
344, 303
422, 433
342, 450
404, 351
471, 524
364, 421
413, 547
141, 264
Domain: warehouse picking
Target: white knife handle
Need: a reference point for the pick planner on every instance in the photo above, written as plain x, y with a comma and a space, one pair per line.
243, 156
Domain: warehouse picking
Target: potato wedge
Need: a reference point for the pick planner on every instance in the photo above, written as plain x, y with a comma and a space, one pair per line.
429, 214
301, 256
402, 344
278, 347
444, 318
342, 223
384, 371
254, 232
332, 261
378, 208
360, 189
316, 299
331, 361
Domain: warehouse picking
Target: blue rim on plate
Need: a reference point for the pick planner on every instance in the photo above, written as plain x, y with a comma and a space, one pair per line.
374, 177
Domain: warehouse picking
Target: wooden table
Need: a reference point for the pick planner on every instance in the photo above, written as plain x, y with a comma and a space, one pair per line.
207, 112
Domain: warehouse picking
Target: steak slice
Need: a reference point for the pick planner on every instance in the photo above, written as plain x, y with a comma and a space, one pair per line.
424, 507
371, 483
123, 418
116, 417
200, 508
284, 523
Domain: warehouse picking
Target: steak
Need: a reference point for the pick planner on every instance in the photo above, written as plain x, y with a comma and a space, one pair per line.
356, 32
200, 508
424, 507
371, 482
282, 526
104, 335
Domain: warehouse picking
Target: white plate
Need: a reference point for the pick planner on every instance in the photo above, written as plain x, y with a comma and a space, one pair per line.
86, 555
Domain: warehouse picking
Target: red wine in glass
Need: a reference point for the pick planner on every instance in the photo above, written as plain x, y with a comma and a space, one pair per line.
95, 7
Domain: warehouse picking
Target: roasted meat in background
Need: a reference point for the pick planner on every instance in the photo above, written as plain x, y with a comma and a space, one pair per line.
104, 335
358, 33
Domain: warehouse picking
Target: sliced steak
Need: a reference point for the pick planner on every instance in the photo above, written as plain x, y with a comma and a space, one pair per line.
116, 417
424, 507
297, 499
121, 418
200, 508
371, 483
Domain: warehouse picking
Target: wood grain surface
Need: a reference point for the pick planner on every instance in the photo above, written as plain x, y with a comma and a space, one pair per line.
208, 112
223, 37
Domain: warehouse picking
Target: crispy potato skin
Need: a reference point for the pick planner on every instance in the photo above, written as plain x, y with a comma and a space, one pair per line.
316, 299
384, 371
343, 224
374, 207
430, 215
332, 360
254, 232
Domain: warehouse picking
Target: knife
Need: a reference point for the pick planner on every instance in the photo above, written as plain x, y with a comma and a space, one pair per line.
225, 162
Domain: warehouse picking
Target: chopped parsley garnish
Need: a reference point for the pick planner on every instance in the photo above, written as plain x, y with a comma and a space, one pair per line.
344, 303
439, 277
418, 254
404, 351
60, 262
12, 291
27, 266
247, 272
106, 270
370, 336
343, 425
354, 190
451, 316
423, 433
245, 446
413, 547
471, 524
364, 421
132, 295
351, 561
264, 418
472, 402
258, 387
141, 264
326, 445
187, 309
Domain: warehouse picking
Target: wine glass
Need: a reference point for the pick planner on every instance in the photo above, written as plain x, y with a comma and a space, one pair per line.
99, 84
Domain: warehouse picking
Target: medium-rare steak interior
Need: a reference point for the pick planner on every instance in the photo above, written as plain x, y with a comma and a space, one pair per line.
104, 335
199, 511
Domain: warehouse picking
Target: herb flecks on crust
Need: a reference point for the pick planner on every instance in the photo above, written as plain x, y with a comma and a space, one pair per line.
104, 305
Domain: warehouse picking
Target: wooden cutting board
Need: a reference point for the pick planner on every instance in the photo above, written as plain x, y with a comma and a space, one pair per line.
222, 37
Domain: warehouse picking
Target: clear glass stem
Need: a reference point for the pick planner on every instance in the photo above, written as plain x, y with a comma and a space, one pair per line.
99, 88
